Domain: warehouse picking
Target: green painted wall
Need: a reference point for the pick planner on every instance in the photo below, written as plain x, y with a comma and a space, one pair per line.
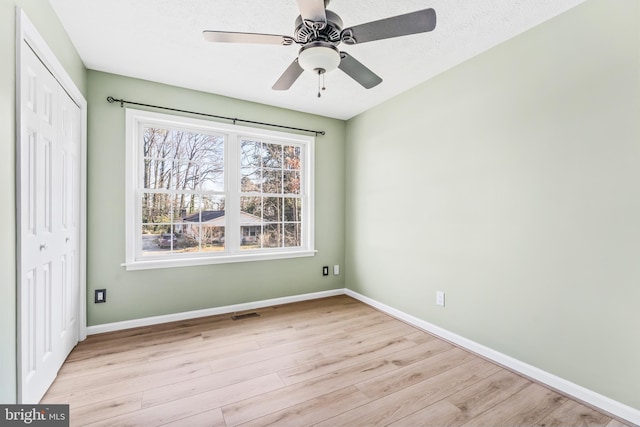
45, 20
138, 294
512, 183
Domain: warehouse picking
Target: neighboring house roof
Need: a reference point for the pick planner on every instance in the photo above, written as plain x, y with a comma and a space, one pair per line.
206, 216
246, 218
216, 218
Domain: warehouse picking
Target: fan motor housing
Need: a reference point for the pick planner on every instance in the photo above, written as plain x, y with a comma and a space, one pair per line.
328, 32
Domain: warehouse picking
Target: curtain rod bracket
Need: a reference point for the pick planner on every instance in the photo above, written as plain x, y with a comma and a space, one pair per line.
111, 100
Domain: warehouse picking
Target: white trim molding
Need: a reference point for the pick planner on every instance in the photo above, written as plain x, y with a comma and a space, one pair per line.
155, 320
603, 403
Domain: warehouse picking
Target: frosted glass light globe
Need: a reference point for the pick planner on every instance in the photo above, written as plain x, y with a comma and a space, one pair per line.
319, 56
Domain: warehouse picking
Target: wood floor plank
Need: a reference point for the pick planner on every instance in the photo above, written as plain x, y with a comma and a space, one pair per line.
79, 367
128, 371
212, 418
103, 409
571, 413
269, 352
616, 423
259, 406
327, 362
99, 392
87, 372
441, 414
363, 338
419, 336
100, 348
295, 334
179, 409
344, 360
431, 365
313, 410
223, 378
469, 402
524, 408
405, 401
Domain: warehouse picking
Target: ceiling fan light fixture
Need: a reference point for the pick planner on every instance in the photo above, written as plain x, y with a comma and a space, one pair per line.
319, 57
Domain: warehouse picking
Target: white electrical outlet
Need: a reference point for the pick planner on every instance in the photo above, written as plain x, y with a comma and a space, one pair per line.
336, 270
440, 298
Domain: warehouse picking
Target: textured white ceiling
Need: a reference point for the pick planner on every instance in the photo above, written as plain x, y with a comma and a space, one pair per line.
161, 40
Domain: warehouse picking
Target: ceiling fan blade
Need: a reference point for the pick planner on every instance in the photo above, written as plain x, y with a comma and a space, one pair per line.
312, 10
358, 72
420, 21
289, 76
232, 37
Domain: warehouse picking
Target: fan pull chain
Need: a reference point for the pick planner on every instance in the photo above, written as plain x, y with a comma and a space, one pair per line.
320, 81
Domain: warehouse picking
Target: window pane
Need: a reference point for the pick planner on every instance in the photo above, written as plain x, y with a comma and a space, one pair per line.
250, 236
272, 237
270, 169
291, 157
157, 174
292, 209
272, 209
212, 238
189, 237
250, 180
291, 182
209, 165
250, 210
181, 176
272, 181
202, 226
156, 208
213, 203
250, 154
155, 143
180, 160
211, 181
292, 235
207, 149
158, 239
272, 155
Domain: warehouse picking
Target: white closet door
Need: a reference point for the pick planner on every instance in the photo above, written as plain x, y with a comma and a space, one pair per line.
49, 241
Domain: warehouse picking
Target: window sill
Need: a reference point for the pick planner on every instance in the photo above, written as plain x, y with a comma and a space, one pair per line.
226, 259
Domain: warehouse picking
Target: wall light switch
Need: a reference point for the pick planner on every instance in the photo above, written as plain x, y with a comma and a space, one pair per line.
336, 270
440, 298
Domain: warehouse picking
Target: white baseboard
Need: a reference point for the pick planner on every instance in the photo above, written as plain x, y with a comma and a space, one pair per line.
155, 320
617, 409
585, 395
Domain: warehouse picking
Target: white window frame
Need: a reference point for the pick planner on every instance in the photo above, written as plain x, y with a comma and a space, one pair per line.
136, 120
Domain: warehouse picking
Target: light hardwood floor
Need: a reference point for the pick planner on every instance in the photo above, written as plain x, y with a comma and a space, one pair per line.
327, 362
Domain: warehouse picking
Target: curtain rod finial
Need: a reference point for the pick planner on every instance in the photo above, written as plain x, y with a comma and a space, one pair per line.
111, 100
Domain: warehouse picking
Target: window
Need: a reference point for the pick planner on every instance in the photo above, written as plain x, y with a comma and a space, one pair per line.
200, 192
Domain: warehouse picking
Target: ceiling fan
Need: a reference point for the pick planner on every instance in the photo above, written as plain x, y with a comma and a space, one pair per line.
320, 31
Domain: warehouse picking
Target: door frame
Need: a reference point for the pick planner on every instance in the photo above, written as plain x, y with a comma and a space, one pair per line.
27, 36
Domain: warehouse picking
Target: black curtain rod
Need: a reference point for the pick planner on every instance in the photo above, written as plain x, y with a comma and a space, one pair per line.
111, 100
